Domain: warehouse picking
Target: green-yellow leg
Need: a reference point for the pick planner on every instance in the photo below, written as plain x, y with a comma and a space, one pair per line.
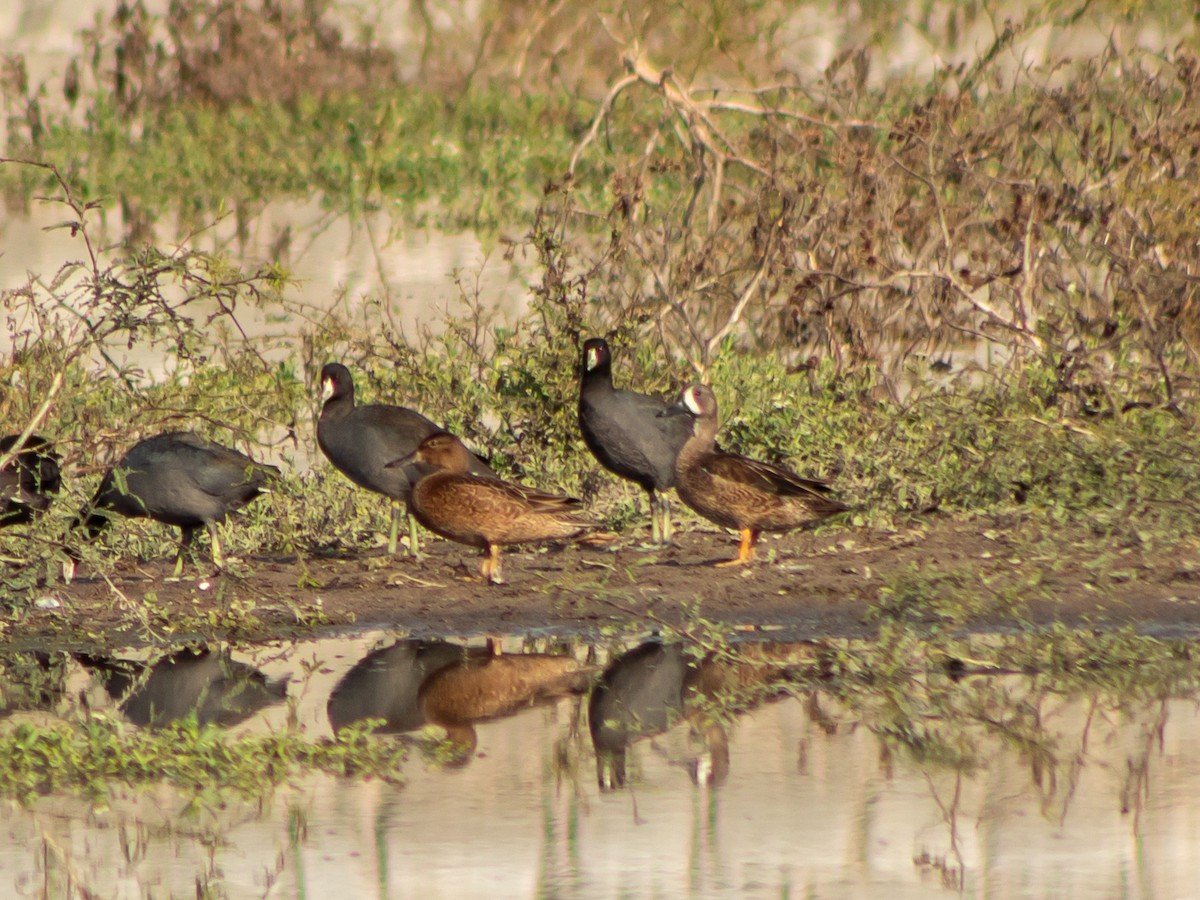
393, 536
665, 529
185, 543
656, 537
414, 547
217, 555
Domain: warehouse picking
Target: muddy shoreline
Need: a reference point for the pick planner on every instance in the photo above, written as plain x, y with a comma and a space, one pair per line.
825, 584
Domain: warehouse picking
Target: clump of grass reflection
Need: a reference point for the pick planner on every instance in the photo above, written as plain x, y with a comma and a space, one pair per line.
175, 711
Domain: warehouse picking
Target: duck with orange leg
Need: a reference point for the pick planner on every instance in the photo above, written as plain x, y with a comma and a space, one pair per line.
738, 492
482, 510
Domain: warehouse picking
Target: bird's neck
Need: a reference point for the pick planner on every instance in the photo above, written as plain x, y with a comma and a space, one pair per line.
337, 407
598, 380
703, 439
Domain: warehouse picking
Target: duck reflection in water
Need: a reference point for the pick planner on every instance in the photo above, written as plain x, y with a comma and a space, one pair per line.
414, 683
655, 686
385, 683
207, 684
479, 689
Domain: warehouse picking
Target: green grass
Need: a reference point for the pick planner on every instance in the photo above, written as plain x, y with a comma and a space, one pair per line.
202, 762
478, 163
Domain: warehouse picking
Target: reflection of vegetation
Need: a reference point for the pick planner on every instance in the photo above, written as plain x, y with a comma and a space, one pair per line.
866, 233
199, 761
946, 703
30, 681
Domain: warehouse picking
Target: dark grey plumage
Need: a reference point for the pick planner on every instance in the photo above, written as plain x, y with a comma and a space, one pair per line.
28, 480
384, 684
640, 694
361, 440
628, 435
181, 479
207, 684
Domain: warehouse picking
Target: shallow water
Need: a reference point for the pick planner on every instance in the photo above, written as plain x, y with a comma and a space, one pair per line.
347, 268
1076, 796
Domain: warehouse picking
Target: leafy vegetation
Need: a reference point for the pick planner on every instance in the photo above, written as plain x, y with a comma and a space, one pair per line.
204, 762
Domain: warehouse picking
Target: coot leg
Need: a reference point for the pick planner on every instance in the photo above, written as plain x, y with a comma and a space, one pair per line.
395, 532
414, 546
664, 506
186, 533
656, 535
217, 555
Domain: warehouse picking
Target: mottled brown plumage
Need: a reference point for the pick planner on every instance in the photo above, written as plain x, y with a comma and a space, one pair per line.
481, 510
737, 492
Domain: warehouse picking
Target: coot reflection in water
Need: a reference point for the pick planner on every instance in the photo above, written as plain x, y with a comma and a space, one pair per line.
655, 686
385, 683
208, 684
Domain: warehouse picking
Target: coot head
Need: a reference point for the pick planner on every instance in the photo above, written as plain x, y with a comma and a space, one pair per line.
336, 382
597, 357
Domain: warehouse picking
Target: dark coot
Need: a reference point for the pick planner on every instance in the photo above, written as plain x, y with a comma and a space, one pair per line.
628, 435
384, 684
207, 684
181, 479
483, 511
360, 441
737, 492
28, 480
640, 694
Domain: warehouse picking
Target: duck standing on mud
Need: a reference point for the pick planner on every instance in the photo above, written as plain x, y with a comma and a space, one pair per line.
361, 441
628, 435
482, 510
735, 491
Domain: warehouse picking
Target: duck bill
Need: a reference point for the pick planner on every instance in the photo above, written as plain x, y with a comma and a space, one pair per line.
591, 359
326, 389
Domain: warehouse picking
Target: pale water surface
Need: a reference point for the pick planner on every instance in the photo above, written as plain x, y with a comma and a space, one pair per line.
811, 803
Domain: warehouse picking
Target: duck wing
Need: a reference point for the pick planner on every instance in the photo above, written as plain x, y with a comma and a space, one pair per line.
536, 500
764, 476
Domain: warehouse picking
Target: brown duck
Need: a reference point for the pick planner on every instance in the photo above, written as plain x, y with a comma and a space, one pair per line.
738, 492
483, 510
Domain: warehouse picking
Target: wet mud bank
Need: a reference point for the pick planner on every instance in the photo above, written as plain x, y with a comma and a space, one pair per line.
977, 575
